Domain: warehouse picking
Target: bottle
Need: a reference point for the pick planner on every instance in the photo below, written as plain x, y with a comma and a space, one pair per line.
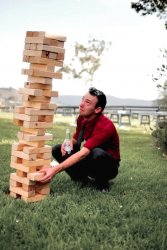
67, 141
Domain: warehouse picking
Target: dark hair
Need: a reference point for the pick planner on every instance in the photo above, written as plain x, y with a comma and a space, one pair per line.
100, 96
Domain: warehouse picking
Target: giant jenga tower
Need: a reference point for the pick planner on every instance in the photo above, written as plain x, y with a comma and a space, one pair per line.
45, 55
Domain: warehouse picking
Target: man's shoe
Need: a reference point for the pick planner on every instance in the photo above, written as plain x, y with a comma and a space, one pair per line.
102, 186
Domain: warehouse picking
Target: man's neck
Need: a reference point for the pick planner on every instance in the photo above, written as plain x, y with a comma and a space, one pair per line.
91, 117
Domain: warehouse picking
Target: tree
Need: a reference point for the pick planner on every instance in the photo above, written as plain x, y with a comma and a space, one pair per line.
149, 7
160, 133
160, 79
86, 60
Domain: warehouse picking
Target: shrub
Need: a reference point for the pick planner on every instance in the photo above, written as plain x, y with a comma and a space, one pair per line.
160, 136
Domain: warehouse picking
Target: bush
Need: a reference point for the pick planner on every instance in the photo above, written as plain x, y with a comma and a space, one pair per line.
160, 136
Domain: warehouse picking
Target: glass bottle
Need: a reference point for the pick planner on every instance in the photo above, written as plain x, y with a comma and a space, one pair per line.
67, 141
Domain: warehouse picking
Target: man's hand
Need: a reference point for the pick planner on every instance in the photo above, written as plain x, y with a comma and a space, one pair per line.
49, 174
63, 151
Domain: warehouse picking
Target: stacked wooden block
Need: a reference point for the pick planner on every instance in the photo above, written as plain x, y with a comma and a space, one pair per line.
45, 55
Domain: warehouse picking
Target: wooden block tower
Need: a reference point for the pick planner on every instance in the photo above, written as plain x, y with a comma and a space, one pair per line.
45, 55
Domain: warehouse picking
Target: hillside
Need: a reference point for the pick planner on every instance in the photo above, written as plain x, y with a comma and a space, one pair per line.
11, 94
73, 100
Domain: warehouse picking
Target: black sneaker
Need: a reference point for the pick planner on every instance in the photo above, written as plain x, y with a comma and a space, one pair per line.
102, 185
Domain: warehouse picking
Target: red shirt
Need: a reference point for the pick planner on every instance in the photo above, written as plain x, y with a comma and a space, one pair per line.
99, 132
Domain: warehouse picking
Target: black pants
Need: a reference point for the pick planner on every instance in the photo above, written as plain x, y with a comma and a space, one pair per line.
98, 164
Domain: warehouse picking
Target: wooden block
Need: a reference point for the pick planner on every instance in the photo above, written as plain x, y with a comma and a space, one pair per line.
36, 163
32, 111
60, 56
34, 131
19, 109
20, 135
45, 54
39, 33
21, 173
57, 43
14, 195
37, 53
42, 99
30, 137
49, 68
17, 163
27, 46
33, 150
22, 155
40, 73
50, 48
17, 146
22, 168
43, 38
27, 72
40, 40
25, 98
32, 53
43, 80
23, 180
23, 117
50, 93
20, 191
45, 156
17, 122
34, 143
16, 159
43, 67
56, 37
38, 59
28, 124
35, 176
33, 46
26, 137
33, 92
41, 167
52, 55
39, 105
29, 33
45, 118
26, 58
34, 85
28, 188
14, 183
43, 190
35, 198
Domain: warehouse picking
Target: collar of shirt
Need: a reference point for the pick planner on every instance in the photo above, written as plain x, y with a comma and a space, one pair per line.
91, 122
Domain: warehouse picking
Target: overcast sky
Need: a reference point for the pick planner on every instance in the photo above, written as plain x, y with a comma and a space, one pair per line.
126, 69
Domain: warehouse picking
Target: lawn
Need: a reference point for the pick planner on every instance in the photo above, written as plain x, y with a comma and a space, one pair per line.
132, 215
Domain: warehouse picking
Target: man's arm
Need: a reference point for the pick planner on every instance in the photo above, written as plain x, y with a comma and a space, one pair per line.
73, 159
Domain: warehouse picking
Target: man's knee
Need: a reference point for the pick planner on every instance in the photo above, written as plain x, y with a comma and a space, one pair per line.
56, 150
98, 153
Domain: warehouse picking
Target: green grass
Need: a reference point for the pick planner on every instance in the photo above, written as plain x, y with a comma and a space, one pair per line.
133, 215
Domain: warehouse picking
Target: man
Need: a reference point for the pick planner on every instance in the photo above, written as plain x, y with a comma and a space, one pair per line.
98, 159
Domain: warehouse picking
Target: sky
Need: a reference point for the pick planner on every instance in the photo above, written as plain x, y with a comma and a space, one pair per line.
126, 69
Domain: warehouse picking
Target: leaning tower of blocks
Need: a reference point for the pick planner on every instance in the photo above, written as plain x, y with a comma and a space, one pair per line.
45, 55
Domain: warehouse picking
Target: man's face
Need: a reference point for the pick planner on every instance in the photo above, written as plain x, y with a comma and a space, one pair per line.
87, 106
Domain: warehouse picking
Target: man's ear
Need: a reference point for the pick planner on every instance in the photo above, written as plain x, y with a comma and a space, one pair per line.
98, 110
